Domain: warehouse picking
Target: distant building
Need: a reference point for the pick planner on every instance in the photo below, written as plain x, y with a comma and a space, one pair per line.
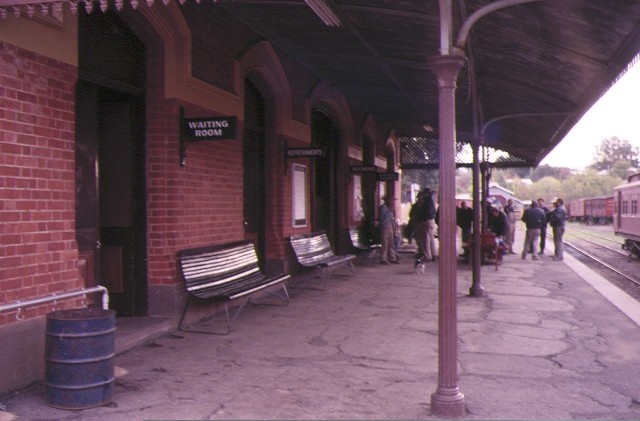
498, 195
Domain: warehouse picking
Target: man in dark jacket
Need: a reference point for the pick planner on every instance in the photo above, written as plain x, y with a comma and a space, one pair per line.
557, 218
421, 218
543, 228
498, 222
534, 218
464, 219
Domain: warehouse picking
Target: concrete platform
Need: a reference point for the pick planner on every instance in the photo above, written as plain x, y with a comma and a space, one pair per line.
543, 343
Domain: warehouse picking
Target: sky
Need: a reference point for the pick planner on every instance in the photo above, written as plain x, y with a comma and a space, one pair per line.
615, 114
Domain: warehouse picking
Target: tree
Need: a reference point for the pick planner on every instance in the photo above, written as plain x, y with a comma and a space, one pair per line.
547, 170
423, 178
612, 150
521, 189
547, 188
589, 184
621, 169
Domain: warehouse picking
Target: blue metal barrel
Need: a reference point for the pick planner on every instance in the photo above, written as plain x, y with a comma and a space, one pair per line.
79, 351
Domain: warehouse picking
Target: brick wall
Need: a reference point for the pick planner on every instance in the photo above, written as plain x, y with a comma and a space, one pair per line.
38, 253
190, 206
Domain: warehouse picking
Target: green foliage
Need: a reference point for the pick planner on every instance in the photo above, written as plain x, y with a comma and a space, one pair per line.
589, 184
520, 189
621, 169
612, 150
562, 184
547, 188
464, 181
424, 178
549, 171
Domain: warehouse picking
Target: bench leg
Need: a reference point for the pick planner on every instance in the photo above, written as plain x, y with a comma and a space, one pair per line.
235, 314
352, 267
321, 275
285, 295
182, 328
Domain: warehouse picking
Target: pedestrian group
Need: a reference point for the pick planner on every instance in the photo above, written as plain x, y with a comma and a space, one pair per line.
423, 218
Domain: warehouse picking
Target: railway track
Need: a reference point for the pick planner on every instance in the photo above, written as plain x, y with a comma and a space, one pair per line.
600, 244
599, 253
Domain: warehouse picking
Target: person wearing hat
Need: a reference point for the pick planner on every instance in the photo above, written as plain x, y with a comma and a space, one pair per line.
510, 236
421, 218
386, 224
533, 218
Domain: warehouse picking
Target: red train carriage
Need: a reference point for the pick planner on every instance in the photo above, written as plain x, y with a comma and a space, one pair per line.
626, 221
599, 210
575, 210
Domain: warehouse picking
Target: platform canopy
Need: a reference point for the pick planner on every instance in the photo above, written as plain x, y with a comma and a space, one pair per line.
533, 68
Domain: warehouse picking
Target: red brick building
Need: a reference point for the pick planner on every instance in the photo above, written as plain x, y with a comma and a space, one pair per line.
98, 187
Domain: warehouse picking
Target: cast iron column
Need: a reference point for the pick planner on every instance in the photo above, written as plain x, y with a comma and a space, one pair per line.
476, 290
447, 401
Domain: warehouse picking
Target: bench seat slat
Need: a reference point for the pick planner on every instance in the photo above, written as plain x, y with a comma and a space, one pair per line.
234, 290
225, 272
314, 250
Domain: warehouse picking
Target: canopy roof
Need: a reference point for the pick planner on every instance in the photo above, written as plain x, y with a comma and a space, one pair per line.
533, 68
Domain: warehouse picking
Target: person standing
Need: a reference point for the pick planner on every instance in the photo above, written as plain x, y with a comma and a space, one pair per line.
418, 223
464, 219
430, 245
533, 218
510, 236
543, 228
557, 219
386, 225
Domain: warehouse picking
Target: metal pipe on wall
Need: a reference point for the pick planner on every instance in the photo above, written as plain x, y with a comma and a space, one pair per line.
61, 296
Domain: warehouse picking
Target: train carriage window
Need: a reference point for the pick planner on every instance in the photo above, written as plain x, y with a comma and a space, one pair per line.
625, 207
634, 207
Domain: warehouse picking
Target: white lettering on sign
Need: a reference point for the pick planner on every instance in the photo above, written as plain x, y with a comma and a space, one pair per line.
209, 132
208, 124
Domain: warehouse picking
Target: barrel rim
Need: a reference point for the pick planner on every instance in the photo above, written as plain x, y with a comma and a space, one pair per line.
87, 313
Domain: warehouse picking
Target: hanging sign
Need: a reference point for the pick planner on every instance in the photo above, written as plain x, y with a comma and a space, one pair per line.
203, 128
300, 153
304, 152
209, 128
387, 176
363, 168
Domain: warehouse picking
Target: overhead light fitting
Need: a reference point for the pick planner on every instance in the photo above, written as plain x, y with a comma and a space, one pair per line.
324, 12
427, 127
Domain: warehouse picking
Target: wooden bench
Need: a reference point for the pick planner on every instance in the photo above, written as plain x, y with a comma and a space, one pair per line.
314, 250
364, 245
223, 273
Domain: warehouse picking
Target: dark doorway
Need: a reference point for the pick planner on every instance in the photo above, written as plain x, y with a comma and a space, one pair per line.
253, 164
324, 134
368, 182
110, 161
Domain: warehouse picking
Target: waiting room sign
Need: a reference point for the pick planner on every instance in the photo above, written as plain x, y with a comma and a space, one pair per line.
204, 128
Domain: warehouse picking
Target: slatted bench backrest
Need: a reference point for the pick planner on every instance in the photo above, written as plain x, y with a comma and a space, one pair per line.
355, 239
311, 249
208, 271
360, 242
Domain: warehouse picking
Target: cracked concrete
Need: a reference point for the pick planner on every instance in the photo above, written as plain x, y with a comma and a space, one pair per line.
541, 344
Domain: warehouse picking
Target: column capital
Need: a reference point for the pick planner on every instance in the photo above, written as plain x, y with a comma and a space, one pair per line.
446, 68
